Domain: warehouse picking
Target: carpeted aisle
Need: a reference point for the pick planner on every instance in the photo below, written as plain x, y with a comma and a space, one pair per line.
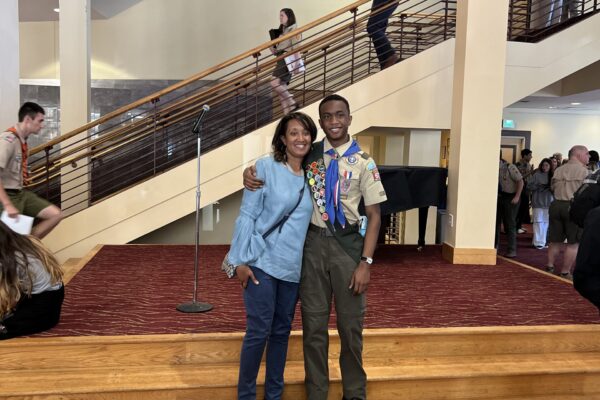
130, 290
526, 253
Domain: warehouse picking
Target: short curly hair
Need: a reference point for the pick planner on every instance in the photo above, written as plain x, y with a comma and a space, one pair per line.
277, 144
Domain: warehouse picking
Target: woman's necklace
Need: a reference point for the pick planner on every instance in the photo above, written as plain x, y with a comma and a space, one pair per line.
289, 167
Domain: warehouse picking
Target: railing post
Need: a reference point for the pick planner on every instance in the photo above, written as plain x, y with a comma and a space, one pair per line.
237, 107
256, 55
369, 57
418, 33
245, 107
510, 19
445, 19
304, 58
595, 5
402, 18
528, 16
47, 157
324, 70
154, 114
353, 11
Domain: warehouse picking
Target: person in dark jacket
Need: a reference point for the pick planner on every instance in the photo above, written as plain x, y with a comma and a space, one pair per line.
586, 277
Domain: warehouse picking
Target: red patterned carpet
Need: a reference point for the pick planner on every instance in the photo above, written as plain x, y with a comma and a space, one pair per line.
129, 290
526, 253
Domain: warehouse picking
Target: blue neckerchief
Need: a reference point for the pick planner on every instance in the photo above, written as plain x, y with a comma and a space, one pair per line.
333, 205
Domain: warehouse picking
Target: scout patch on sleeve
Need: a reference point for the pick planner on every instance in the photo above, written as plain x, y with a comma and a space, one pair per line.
371, 165
9, 138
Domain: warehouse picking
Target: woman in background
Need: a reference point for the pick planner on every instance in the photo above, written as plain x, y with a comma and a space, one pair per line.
541, 197
31, 289
267, 246
281, 75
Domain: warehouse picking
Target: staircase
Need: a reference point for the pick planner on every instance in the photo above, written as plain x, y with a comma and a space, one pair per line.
416, 92
553, 362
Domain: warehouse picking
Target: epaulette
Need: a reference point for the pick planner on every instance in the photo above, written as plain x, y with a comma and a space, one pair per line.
365, 155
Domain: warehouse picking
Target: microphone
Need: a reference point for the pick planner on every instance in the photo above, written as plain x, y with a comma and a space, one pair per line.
205, 109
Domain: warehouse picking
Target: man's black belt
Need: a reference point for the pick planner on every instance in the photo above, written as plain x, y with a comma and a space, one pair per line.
319, 230
13, 191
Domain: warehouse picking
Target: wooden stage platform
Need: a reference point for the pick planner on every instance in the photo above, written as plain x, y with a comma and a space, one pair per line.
487, 362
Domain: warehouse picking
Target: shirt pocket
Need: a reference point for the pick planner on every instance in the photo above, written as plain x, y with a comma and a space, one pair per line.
15, 165
350, 187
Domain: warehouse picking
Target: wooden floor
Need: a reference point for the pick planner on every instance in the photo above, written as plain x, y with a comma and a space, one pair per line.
542, 362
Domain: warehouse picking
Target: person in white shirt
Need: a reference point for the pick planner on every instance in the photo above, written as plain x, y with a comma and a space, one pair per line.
31, 288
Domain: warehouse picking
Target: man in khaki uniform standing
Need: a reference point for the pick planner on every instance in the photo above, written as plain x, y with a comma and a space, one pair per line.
13, 172
510, 187
337, 259
565, 182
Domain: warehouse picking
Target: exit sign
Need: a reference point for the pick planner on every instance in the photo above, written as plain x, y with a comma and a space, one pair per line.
508, 123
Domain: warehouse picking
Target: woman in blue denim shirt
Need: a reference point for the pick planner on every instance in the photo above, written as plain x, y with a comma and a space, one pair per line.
269, 267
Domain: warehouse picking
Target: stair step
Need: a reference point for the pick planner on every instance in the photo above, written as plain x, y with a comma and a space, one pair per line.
395, 344
488, 377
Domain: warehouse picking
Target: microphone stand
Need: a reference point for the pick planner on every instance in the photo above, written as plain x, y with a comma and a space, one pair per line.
195, 306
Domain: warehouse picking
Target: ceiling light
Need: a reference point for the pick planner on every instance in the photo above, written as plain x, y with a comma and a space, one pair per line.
551, 107
57, 10
575, 104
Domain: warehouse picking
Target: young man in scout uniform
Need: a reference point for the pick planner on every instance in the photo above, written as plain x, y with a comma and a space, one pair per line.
13, 172
337, 258
510, 186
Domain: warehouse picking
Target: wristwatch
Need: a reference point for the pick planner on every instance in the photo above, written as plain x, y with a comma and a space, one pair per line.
368, 260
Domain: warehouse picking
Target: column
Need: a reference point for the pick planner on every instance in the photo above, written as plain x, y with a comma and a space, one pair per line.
75, 82
479, 65
9, 67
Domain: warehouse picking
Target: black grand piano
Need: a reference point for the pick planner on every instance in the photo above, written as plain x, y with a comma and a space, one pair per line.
413, 187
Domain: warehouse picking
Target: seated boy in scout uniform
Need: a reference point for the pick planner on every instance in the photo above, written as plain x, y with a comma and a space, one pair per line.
13, 173
336, 257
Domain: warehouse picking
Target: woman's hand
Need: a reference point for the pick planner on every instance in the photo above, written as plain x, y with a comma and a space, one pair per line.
244, 274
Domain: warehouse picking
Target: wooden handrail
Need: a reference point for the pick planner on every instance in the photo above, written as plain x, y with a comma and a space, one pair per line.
197, 76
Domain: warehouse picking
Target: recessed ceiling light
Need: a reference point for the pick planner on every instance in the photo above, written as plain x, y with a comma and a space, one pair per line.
551, 107
57, 10
575, 104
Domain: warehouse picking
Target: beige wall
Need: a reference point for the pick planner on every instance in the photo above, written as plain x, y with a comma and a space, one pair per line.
158, 39
554, 131
38, 53
9, 68
222, 220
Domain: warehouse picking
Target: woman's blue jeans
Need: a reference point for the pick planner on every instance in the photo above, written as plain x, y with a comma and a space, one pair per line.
270, 307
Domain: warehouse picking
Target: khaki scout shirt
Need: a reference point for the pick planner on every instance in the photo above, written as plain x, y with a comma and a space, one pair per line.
364, 182
11, 175
567, 178
509, 177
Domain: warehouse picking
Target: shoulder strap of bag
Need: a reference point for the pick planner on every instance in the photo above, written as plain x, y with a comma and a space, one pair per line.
286, 216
